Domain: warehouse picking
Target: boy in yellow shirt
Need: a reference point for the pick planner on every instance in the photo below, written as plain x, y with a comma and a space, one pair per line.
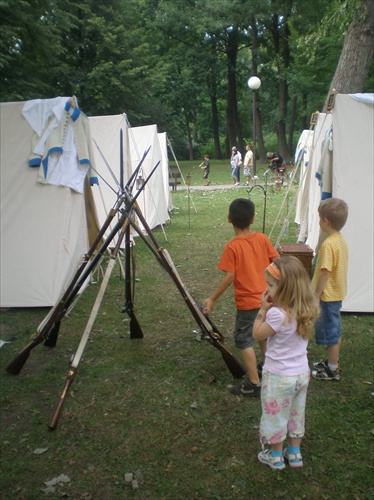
330, 285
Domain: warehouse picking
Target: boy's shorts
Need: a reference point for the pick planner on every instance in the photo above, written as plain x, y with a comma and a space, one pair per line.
243, 328
327, 328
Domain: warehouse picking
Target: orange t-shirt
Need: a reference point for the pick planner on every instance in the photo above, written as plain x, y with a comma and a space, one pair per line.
247, 257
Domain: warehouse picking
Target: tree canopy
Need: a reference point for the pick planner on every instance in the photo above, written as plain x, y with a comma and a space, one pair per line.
184, 64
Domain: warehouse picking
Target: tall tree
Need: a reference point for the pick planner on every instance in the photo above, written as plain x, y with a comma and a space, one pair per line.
358, 50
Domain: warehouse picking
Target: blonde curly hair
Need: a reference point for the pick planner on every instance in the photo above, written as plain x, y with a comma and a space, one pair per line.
295, 295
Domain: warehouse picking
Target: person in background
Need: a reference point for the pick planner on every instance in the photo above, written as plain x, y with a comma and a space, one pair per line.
205, 165
248, 164
277, 162
243, 261
286, 319
235, 166
330, 284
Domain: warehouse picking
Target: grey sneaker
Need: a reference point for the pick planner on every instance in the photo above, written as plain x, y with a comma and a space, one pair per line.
266, 457
246, 389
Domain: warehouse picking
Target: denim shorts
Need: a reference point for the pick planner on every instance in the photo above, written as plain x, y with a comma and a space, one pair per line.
327, 328
243, 328
235, 172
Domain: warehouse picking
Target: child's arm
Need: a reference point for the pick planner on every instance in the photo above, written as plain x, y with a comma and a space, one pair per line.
226, 281
262, 330
322, 281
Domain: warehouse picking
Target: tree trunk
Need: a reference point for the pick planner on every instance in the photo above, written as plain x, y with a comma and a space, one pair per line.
215, 127
189, 137
282, 51
292, 124
357, 54
260, 137
281, 124
212, 86
239, 131
304, 117
231, 52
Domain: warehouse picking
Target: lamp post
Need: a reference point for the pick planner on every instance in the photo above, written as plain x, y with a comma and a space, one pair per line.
254, 83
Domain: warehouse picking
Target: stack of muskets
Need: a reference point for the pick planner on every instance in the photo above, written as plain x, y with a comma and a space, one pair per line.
128, 209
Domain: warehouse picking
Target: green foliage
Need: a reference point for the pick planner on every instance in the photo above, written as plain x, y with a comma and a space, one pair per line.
271, 142
169, 62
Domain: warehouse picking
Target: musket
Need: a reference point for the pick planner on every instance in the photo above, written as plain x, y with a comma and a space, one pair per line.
51, 324
49, 327
135, 329
209, 330
50, 336
87, 331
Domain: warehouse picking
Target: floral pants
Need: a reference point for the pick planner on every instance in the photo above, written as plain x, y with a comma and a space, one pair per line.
283, 402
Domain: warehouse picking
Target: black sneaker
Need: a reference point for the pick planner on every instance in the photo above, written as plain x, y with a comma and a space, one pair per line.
326, 374
246, 389
321, 365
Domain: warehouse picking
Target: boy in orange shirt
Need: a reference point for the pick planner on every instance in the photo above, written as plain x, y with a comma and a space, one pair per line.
243, 261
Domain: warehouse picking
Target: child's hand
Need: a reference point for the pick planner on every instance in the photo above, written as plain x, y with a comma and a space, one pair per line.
266, 301
207, 306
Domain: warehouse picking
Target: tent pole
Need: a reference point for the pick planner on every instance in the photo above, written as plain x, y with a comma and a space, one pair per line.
180, 171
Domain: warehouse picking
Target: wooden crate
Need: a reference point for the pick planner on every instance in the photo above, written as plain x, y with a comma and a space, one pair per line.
303, 252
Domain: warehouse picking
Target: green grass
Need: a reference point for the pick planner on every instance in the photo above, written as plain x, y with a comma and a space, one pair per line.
159, 407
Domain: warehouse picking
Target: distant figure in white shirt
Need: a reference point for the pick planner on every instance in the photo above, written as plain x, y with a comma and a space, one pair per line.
248, 164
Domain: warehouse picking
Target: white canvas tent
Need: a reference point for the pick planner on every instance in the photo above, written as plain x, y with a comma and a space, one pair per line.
163, 140
43, 226
350, 130
302, 158
154, 201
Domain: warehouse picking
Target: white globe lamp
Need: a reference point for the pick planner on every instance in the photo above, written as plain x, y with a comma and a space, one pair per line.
254, 83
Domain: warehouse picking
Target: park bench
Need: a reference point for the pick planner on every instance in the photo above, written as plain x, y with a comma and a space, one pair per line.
173, 180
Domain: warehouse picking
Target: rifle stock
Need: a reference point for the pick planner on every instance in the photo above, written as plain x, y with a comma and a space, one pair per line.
61, 401
135, 329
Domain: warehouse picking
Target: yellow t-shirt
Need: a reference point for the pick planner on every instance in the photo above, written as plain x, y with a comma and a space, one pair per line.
333, 256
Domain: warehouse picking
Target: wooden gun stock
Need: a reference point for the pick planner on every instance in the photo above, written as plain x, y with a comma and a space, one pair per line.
60, 403
235, 367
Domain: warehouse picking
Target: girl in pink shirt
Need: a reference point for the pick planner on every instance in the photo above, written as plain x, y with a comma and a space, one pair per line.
286, 319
